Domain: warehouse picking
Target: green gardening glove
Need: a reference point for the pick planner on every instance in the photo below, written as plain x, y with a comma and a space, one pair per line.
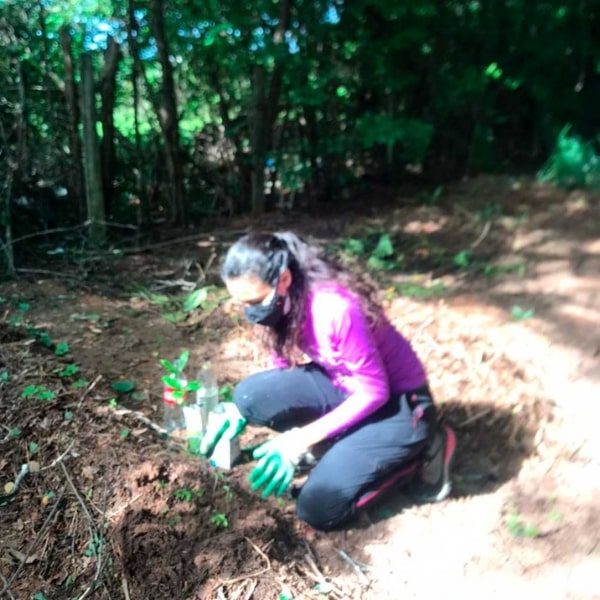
224, 421
278, 459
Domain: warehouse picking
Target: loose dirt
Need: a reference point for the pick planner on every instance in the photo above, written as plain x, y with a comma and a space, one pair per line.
496, 283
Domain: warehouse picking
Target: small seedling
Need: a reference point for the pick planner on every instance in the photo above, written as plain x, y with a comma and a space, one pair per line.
462, 259
37, 391
80, 383
61, 349
520, 529
228, 493
94, 546
113, 403
33, 447
124, 433
175, 379
174, 520
4, 377
219, 519
184, 494
68, 415
226, 393
123, 387
69, 371
521, 314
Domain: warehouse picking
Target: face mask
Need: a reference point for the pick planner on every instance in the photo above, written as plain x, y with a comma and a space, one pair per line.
268, 314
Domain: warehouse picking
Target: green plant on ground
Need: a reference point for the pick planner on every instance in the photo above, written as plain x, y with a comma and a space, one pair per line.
520, 529
415, 290
219, 519
188, 494
490, 270
68, 371
376, 247
463, 259
39, 392
573, 163
175, 308
521, 314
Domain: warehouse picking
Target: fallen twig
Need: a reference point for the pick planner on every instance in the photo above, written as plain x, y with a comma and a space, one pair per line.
88, 390
33, 543
482, 236
24, 470
475, 417
256, 573
58, 458
422, 327
6, 589
121, 411
315, 574
358, 569
125, 586
93, 533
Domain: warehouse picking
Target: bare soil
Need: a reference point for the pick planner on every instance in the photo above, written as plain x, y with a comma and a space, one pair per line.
498, 288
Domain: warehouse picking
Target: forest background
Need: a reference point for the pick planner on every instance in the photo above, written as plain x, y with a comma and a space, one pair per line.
119, 116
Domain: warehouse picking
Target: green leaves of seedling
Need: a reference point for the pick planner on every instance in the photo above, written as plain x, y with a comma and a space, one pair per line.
175, 380
462, 259
195, 299
178, 365
38, 391
33, 447
520, 529
521, 314
61, 349
219, 519
123, 387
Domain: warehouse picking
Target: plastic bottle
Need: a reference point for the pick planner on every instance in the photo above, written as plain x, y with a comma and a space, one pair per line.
207, 397
173, 418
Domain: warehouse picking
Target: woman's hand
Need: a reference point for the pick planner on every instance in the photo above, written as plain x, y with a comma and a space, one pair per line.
225, 420
278, 459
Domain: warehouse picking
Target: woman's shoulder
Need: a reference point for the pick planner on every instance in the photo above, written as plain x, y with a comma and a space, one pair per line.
331, 294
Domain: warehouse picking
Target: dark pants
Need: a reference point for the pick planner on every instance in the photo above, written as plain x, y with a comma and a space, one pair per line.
384, 448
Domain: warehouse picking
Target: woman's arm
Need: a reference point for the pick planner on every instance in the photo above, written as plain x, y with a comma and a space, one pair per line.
342, 332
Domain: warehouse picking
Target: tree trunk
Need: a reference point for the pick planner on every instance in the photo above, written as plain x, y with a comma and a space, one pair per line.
167, 115
266, 109
143, 208
75, 177
109, 76
259, 140
91, 154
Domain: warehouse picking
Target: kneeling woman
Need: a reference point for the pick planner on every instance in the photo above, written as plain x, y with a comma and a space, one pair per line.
363, 387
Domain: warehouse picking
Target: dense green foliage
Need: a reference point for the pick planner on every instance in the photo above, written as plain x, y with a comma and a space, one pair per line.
313, 96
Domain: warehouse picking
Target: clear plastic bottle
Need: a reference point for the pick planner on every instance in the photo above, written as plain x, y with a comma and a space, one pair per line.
207, 397
173, 418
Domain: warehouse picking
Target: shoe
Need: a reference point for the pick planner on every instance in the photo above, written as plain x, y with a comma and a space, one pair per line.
433, 483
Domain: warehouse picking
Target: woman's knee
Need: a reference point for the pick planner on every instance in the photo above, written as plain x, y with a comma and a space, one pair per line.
323, 506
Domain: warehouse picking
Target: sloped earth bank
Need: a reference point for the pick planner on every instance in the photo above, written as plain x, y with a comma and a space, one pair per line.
110, 509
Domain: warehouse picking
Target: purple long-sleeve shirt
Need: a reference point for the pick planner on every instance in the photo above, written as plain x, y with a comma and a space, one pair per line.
367, 362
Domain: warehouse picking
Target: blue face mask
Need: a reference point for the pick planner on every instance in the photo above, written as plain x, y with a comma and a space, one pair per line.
268, 315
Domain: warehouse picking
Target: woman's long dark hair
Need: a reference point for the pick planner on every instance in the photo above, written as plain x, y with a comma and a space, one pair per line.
266, 256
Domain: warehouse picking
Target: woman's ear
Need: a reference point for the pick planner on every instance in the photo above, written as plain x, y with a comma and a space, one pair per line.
285, 280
